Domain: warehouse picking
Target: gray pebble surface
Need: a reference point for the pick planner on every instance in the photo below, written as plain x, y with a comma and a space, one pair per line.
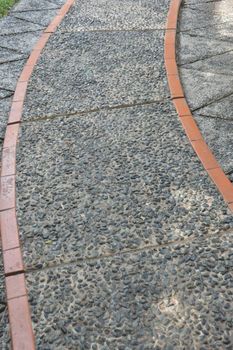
177, 297
84, 71
102, 15
111, 181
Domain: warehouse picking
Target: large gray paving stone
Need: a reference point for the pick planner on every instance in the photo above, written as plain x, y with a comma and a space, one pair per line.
222, 7
12, 25
9, 73
222, 109
4, 327
190, 19
220, 64
5, 105
42, 17
5, 93
222, 31
7, 55
83, 71
193, 48
202, 88
35, 5
177, 297
113, 15
21, 43
218, 133
111, 181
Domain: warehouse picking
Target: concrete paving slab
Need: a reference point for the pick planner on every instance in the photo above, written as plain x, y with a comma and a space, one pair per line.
187, 51
12, 25
9, 73
116, 15
111, 181
223, 7
34, 5
222, 31
5, 93
218, 134
83, 71
202, 88
4, 328
177, 297
222, 109
7, 55
220, 64
22, 42
190, 19
41, 18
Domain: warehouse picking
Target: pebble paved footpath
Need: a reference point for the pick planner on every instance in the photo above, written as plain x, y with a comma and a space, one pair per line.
126, 242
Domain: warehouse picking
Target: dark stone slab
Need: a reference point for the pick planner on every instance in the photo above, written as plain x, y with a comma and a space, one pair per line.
106, 182
169, 298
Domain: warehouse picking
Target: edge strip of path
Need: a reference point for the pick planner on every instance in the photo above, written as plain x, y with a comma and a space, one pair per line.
196, 139
22, 336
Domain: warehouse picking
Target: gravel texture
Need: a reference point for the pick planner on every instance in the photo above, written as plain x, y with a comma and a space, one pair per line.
116, 15
111, 181
85, 71
177, 297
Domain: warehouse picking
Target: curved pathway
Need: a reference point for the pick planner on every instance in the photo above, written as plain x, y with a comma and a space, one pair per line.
126, 241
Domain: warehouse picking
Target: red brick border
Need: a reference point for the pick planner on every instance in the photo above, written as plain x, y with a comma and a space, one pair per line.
22, 336
199, 145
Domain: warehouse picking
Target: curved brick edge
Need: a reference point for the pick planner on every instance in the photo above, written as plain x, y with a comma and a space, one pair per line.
22, 336
198, 143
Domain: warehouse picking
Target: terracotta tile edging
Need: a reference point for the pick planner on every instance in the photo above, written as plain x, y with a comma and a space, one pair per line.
22, 336
209, 162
